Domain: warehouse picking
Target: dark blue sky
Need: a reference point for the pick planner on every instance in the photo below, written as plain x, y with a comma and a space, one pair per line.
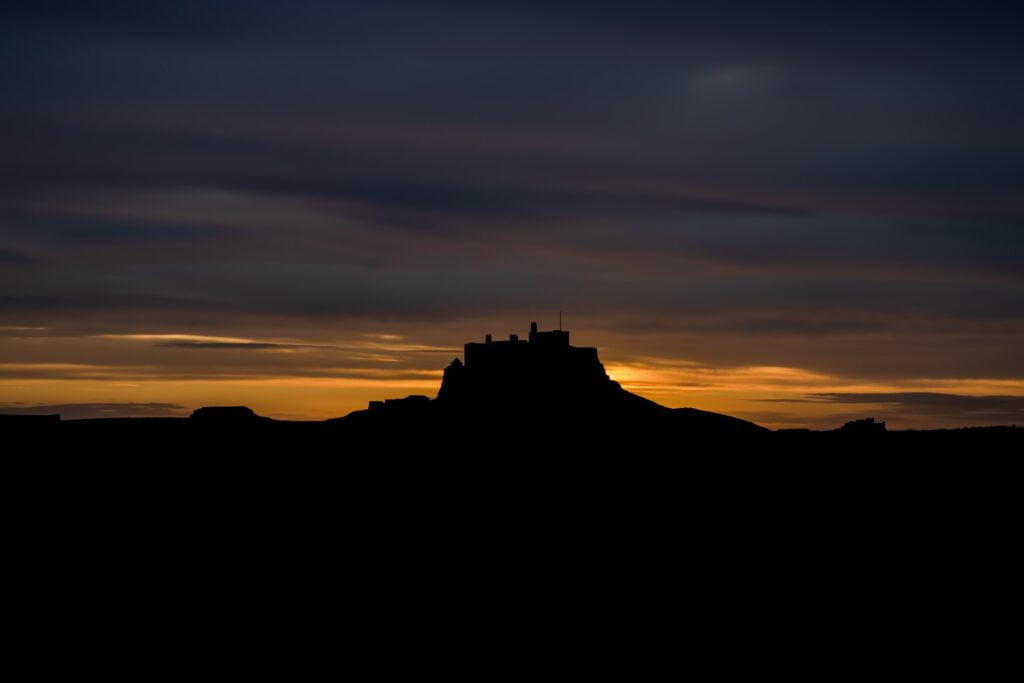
839, 189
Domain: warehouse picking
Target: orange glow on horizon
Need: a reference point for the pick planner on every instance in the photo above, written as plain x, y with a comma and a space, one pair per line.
331, 377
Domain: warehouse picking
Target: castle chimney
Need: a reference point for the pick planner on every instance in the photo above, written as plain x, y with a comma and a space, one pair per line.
533, 327
513, 337
487, 339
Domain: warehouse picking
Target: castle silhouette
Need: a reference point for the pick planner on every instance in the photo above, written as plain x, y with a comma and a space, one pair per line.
542, 375
537, 371
541, 384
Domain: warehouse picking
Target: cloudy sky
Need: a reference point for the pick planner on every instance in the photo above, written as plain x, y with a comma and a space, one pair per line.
795, 213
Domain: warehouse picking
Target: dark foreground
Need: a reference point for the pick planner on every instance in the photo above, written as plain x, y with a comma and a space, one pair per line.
392, 517
533, 490
427, 430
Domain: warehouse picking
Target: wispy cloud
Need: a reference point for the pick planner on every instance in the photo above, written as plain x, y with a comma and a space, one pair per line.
176, 337
926, 407
378, 342
240, 346
78, 411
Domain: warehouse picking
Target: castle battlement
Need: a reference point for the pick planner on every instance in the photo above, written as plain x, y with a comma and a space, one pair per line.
553, 344
543, 362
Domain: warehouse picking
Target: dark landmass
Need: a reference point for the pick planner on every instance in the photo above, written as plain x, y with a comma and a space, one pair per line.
523, 466
534, 396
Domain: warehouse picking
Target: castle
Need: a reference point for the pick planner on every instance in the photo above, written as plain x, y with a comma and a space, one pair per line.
542, 368
538, 385
538, 346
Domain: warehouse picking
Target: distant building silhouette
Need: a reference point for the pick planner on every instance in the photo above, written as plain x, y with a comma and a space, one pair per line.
541, 369
865, 426
399, 405
552, 346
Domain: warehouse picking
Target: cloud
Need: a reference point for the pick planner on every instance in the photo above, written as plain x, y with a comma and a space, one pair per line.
235, 346
81, 411
12, 257
28, 331
929, 401
941, 408
774, 187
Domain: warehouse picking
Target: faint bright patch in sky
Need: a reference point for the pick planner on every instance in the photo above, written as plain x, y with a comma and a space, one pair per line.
736, 81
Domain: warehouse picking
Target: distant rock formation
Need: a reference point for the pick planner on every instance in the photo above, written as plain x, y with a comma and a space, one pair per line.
225, 414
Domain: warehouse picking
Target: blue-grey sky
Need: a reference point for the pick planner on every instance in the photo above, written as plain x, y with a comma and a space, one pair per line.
833, 189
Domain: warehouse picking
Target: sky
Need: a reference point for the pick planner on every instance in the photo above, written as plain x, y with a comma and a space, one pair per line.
794, 213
